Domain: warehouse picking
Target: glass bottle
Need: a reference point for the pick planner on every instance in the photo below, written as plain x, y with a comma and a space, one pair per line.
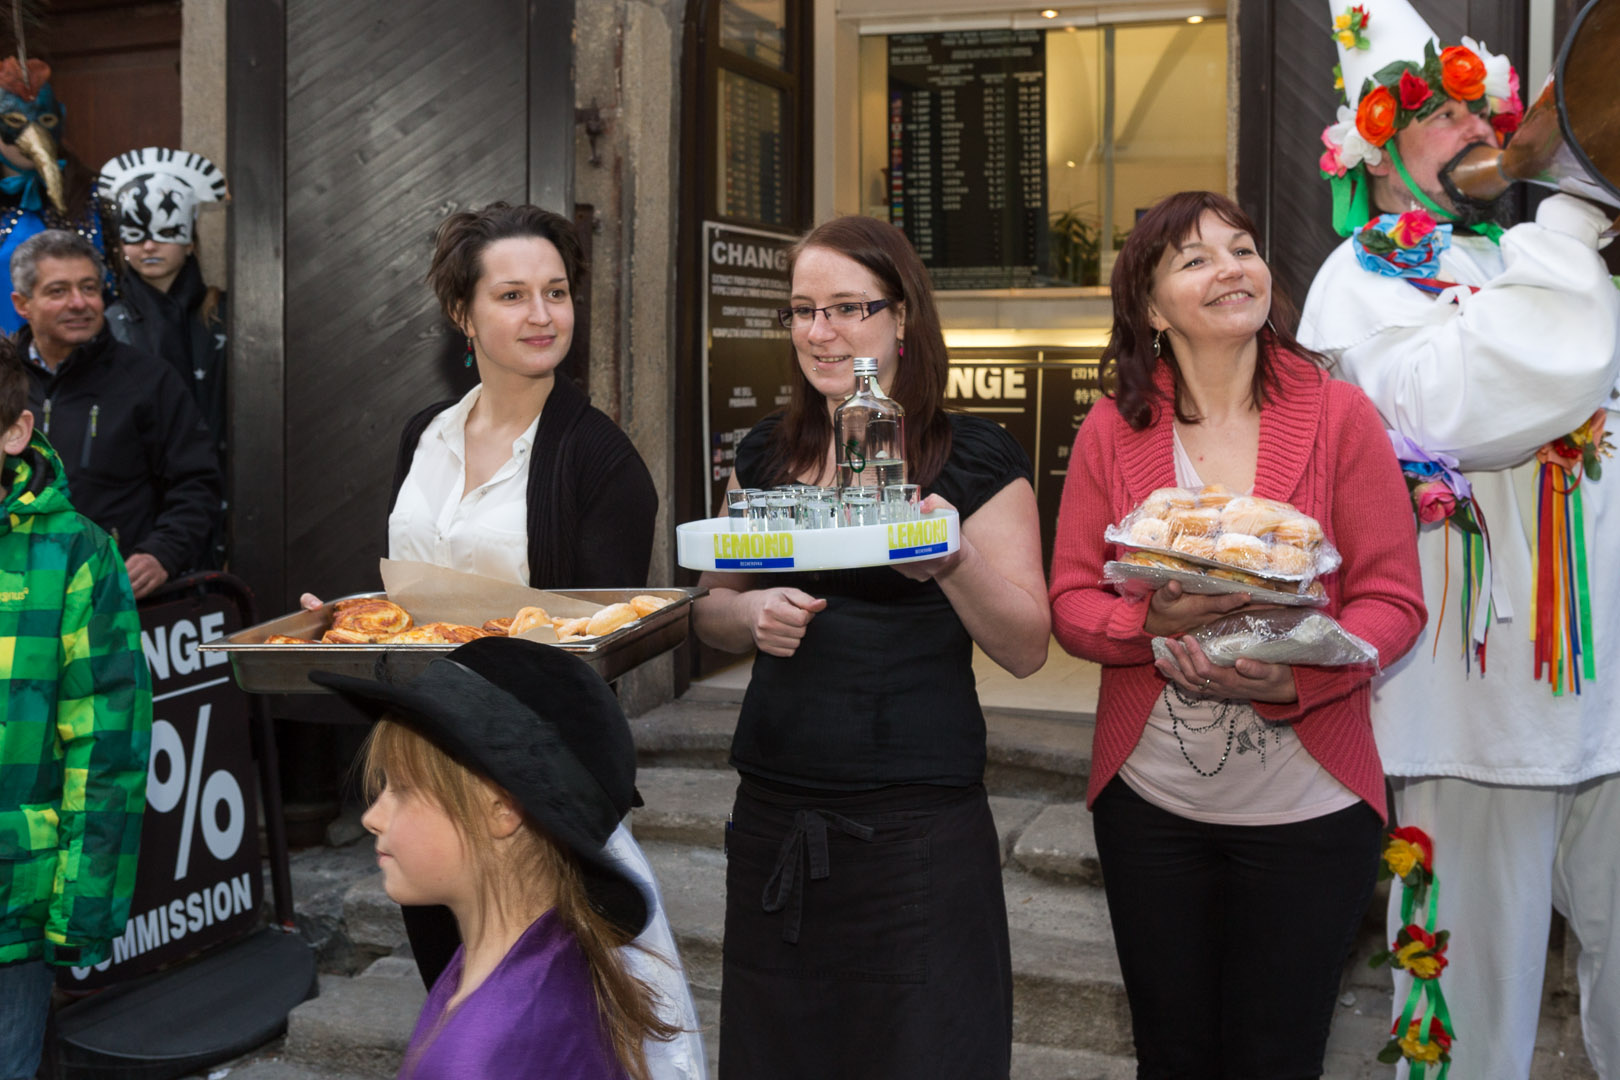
871, 430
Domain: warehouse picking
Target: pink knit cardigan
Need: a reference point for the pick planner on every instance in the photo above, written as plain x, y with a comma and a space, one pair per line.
1323, 448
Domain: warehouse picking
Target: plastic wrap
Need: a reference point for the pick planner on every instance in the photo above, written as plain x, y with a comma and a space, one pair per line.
1257, 542
1308, 638
1135, 579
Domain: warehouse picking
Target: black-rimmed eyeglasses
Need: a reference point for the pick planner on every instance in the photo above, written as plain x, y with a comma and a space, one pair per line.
803, 316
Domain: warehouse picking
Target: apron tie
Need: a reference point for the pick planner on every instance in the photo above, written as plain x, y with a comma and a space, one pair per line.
785, 887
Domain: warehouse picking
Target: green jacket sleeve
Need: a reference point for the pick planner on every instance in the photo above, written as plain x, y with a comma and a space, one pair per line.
104, 727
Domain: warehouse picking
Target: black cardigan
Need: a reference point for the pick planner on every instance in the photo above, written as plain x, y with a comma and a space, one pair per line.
591, 500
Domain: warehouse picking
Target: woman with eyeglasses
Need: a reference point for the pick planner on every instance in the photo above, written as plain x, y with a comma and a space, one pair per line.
866, 933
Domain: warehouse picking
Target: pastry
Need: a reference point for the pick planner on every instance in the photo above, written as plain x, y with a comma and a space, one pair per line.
1298, 530
1159, 503
1255, 517
284, 639
340, 636
1150, 532
498, 627
1194, 522
647, 604
610, 619
1290, 559
372, 616
1243, 551
426, 634
1242, 577
1202, 547
1154, 558
457, 634
1215, 495
527, 619
570, 628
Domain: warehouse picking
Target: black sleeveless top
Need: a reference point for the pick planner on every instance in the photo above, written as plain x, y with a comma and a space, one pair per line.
881, 689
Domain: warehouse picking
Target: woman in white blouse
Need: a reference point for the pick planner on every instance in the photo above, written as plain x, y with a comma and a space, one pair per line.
522, 480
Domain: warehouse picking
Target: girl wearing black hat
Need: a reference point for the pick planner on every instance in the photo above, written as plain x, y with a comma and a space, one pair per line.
497, 777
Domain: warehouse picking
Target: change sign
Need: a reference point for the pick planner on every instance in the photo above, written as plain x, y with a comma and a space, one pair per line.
198, 881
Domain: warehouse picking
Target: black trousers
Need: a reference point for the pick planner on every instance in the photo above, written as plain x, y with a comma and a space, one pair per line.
1232, 938
866, 937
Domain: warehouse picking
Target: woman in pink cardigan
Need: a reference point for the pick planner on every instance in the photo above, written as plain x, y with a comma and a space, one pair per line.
1238, 811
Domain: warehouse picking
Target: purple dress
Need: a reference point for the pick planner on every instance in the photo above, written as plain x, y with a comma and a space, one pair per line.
535, 1016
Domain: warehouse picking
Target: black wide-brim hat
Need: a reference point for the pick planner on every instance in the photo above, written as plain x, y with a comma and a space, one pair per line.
542, 725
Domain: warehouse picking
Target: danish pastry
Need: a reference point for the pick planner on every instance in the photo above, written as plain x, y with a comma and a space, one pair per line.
610, 619
426, 634
372, 616
339, 636
458, 634
284, 639
498, 627
1154, 558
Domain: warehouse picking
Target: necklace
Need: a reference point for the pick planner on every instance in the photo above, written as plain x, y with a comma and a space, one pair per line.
1225, 713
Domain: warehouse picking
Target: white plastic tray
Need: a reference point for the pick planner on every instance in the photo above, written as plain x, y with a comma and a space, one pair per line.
711, 544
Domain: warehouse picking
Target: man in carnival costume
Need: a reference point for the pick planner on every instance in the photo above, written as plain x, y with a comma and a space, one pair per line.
1492, 355
38, 189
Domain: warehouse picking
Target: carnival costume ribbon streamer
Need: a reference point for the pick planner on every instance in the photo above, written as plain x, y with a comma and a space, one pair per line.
1441, 494
1561, 594
1424, 1033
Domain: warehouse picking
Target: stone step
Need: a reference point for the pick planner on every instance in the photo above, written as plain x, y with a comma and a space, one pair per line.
359, 1025
1045, 755
1050, 1063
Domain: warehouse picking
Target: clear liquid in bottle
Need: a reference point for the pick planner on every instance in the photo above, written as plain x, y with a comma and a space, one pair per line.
871, 430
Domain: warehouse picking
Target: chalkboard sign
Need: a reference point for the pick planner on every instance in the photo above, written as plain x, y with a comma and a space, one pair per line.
967, 153
747, 357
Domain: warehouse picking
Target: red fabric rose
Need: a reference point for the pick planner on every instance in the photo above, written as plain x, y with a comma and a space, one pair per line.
1462, 73
1375, 116
1506, 123
1414, 91
1418, 839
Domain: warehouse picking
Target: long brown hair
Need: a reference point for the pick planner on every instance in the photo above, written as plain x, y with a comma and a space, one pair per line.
1129, 357
397, 755
799, 444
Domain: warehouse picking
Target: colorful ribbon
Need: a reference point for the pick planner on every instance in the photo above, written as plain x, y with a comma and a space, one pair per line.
1561, 595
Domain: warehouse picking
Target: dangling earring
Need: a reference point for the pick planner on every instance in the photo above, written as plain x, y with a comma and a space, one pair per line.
468, 362
902, 348
1158, 342
1273, 329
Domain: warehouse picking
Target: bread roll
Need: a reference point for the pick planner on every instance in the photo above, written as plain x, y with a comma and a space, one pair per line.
1243, 551
1289, 559
1214, 495
1194, 522
1154, 558
1299, 530
1151, 532
1201, 546
1159, 503
526, 619
372, 616
646, 604
610, 619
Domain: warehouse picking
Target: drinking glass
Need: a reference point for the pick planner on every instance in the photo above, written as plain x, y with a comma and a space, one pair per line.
737, 508
781, 507
900, 502
860, 507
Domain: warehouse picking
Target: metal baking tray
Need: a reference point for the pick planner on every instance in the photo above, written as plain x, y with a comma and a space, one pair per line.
284, 669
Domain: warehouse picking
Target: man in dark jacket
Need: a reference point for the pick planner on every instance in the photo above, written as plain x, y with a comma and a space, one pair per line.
140, 460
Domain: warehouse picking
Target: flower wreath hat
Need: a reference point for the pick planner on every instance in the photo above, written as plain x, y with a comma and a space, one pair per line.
1393, 71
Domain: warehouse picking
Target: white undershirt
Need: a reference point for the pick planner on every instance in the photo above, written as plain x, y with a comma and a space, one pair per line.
1267, 777
483, 531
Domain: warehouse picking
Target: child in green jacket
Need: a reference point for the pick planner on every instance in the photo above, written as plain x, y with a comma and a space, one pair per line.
75, 731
